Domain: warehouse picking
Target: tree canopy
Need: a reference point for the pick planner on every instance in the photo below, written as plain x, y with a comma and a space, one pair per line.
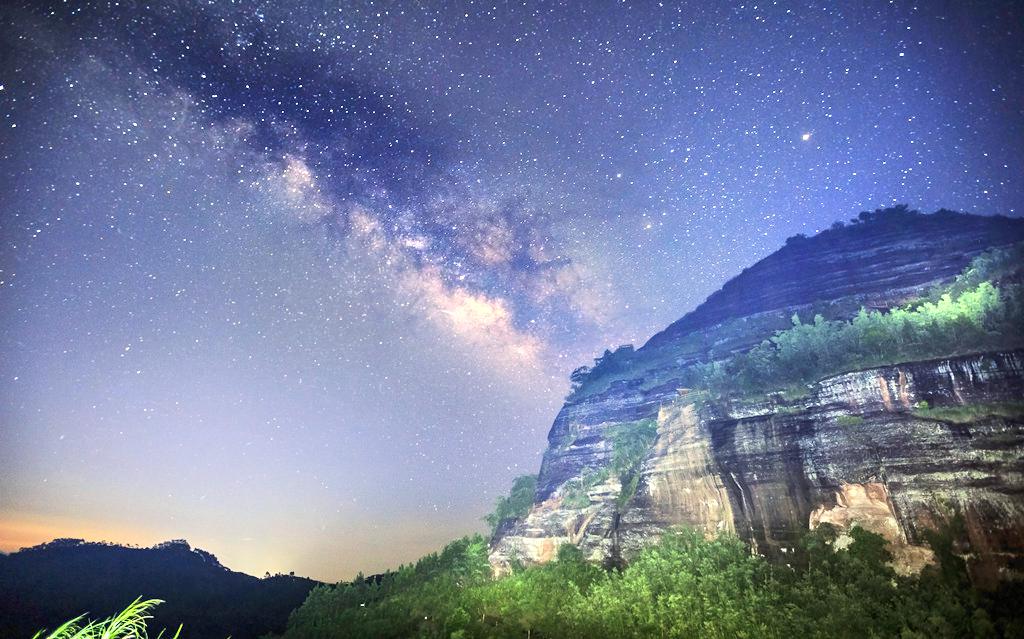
684, 586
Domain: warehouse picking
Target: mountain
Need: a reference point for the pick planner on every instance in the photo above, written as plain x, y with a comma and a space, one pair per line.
903, 423
43, 586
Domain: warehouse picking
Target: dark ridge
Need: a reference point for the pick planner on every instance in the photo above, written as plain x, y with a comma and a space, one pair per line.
876, 254
43, 586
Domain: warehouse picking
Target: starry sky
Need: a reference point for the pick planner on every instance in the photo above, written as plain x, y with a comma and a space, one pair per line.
302, 282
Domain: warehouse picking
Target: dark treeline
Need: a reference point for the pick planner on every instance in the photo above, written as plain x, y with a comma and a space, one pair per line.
44, 586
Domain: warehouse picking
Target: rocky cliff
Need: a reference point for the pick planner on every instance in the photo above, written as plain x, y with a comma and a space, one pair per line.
879, 259
876, 448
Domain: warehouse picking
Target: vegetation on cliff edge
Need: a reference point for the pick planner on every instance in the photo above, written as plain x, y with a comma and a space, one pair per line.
516, 504
983, 309
630, 443
968, 413
986, 296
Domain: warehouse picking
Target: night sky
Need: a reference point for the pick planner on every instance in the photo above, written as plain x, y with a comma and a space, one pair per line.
303, 282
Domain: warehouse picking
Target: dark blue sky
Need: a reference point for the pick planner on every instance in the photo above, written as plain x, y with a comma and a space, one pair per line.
303, 282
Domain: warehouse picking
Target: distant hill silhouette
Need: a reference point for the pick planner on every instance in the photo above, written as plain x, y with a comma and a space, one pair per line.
43, 586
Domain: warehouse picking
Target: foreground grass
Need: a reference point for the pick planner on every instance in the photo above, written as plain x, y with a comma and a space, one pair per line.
130, 623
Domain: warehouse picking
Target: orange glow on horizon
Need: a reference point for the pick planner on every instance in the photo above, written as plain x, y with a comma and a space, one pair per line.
270, 552
23, 530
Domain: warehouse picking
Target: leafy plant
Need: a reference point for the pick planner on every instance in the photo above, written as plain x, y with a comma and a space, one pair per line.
130, 623
630, 444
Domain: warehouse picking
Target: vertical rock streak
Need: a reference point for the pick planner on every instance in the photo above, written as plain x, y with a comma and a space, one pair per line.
853, 452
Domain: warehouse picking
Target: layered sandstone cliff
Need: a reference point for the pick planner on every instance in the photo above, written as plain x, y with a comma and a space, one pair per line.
857, 449
854, 452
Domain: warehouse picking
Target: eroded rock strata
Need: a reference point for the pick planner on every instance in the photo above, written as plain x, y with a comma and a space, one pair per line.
853, 452
856, 450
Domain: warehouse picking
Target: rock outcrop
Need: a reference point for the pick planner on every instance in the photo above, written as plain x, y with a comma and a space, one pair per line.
856, 450
878, 261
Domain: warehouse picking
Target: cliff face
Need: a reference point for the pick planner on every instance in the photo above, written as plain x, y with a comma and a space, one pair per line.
856, 450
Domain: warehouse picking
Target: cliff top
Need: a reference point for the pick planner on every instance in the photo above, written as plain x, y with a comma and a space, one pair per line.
877, 253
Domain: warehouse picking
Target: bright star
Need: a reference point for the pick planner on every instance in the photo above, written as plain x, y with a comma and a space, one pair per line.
805, 137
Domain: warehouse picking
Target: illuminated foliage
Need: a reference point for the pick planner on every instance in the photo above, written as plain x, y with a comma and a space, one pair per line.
516, 504
684, 586
981, 317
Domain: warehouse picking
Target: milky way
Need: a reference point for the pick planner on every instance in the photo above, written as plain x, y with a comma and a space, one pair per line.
303, 282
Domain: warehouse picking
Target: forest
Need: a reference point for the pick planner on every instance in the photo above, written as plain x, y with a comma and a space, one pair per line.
63, 578
685, 586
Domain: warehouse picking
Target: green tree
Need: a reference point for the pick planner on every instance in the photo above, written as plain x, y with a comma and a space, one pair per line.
516, 504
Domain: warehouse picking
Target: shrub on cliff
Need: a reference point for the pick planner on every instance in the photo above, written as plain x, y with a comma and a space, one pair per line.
972, 314
630, 442
609, 366
516, 504
996, 266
